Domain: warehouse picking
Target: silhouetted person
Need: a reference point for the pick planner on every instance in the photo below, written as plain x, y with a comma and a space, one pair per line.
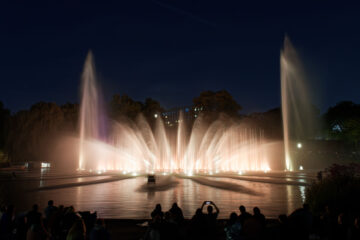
254, 226
57, 222
169, 228
7, 223
233, 228
99, 231
20, 226
33, 217
211, 218
68, 219
157, 212
342, 229
244, 215
300, 222
50, 209
259, 216
282, 232
77, 231
355, 229
36, 229
154, 229
328, 222
177, 213
197, 225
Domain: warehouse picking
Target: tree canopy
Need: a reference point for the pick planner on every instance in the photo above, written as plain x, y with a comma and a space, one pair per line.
343, 122
217, 102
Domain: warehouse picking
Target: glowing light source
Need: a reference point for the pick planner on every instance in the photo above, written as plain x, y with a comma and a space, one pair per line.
45, 165
155, 115
301, 168
299, 145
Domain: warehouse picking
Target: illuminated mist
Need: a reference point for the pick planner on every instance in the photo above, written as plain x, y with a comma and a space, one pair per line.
222, 145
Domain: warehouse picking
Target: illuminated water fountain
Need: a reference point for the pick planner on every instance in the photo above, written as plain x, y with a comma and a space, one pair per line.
297, 110
223, 145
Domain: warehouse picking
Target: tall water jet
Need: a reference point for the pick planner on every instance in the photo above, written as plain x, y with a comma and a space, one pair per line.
297, 109
90, 117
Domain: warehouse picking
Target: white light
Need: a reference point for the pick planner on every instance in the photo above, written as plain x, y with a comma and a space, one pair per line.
134, 174
124, 172
211, 173
164, 173
299, 145
189, 174
301, 168
195, 115
45, 165
155, 115
240, 172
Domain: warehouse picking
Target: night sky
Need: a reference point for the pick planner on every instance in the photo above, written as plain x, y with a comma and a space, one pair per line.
172, 50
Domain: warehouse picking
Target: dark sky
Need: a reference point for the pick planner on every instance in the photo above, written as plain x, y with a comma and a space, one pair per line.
172, 50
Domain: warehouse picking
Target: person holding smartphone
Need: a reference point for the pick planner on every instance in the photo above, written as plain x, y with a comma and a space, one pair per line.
211, 218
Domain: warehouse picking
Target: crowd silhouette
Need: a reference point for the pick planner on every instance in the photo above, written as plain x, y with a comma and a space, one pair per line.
64, 223
58, 223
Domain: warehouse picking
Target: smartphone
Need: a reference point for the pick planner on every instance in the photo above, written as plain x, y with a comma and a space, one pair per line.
207, 202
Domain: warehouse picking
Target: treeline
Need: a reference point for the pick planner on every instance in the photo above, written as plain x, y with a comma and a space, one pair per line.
29, 135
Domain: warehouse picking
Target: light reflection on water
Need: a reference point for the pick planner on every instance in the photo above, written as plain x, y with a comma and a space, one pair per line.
120, 199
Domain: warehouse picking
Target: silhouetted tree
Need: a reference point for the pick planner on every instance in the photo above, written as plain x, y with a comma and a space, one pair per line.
151, 107
270, 121
33, 132
124, 106
71, 114
212, 103
343, 122
4, 124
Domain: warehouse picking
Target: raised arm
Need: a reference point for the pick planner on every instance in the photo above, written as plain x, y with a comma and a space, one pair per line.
216, 208
202, 206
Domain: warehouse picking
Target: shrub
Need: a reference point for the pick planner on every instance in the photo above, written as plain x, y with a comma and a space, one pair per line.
339, 189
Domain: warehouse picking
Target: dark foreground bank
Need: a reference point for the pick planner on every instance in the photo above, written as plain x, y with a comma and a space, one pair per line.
64, 223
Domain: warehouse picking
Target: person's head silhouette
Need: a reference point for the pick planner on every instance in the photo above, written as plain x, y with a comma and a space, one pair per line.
35, 207
256, 211
242, 209
158, 207
210, 209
